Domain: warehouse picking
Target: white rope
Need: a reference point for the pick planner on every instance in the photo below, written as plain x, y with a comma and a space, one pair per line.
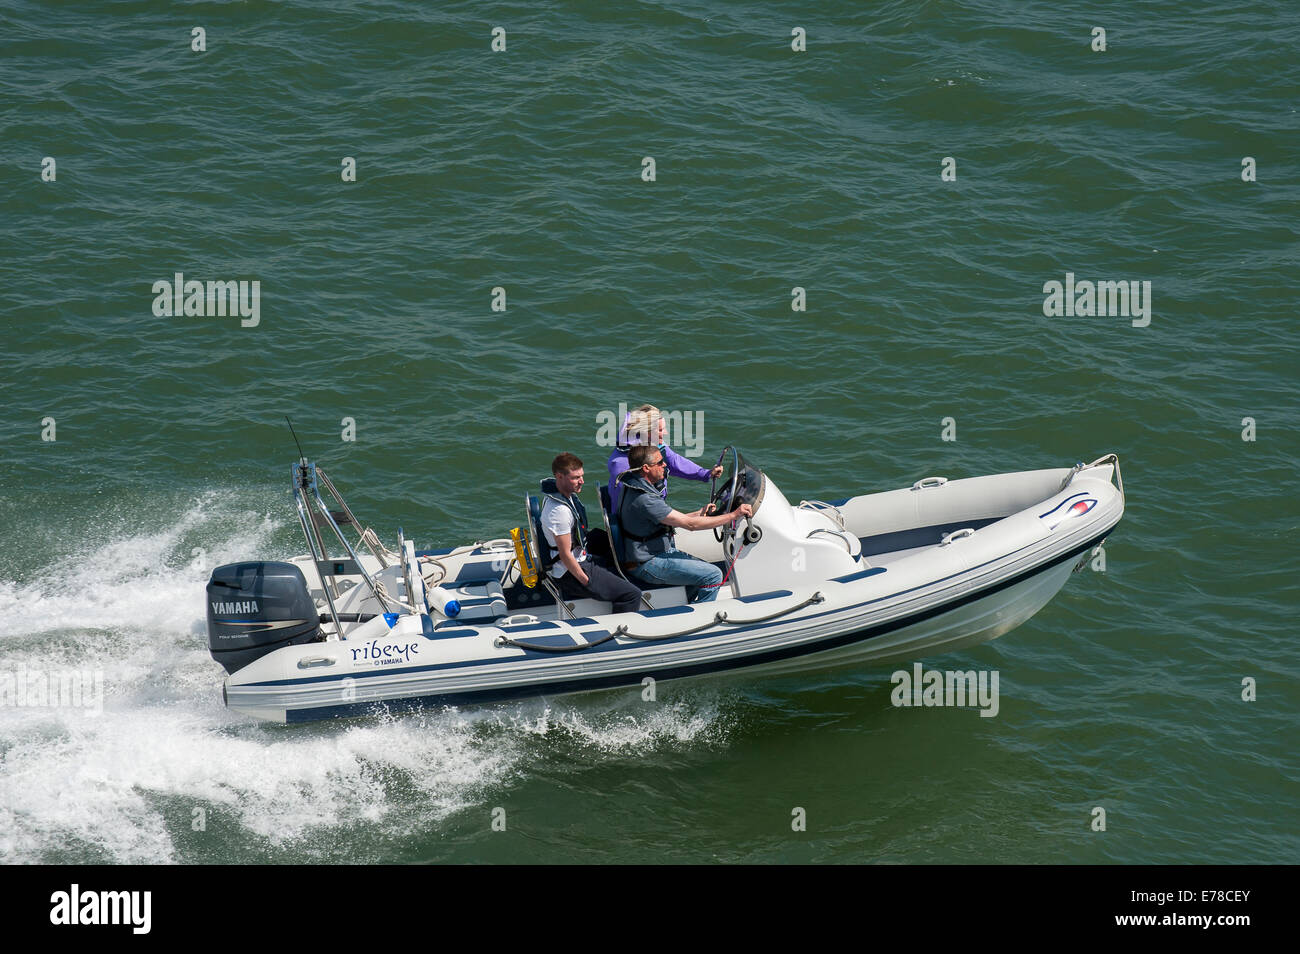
437, 565
371, 539
383, 593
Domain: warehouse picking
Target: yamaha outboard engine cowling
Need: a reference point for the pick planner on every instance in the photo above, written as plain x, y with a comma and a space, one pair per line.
255, 608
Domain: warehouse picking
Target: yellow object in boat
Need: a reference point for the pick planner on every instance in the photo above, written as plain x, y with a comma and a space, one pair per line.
524, 556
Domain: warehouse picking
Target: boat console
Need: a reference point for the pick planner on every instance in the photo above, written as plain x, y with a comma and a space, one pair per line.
780, 546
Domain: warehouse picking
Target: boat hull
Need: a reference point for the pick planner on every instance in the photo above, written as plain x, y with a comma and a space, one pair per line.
814, 638
876, 580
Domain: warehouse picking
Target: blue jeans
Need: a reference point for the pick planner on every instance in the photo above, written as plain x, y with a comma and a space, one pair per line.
675, 568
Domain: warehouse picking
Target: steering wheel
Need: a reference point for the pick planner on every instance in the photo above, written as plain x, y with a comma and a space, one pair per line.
724, 491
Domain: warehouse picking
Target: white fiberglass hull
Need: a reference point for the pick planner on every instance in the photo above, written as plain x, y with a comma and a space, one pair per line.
888, 609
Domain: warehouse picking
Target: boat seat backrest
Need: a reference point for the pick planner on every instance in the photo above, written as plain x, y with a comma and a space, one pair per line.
615, 534
543, 548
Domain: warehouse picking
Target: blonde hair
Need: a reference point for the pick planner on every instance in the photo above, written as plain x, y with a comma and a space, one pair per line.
642, 425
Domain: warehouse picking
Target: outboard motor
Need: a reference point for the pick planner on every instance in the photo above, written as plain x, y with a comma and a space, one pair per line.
255, 608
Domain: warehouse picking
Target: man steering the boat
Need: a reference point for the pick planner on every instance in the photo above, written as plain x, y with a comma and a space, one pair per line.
647, 523
564, 524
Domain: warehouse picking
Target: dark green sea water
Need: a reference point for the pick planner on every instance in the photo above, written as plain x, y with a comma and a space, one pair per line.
775, 169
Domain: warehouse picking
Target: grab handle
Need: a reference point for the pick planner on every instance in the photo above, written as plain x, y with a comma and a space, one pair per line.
839, 535
929, 482
957, 535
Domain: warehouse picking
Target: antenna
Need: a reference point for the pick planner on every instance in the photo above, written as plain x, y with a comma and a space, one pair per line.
301, 456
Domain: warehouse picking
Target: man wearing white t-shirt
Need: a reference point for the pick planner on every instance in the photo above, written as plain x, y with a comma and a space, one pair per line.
564, 524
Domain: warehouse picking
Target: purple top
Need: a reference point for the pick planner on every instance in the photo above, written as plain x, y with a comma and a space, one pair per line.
678, 466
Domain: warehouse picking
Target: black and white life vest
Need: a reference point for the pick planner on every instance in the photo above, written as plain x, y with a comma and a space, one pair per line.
578, 537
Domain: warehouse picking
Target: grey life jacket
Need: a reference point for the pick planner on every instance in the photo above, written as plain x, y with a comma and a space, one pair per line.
630, 491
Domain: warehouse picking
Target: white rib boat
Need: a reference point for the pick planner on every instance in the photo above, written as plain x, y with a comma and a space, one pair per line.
873, 580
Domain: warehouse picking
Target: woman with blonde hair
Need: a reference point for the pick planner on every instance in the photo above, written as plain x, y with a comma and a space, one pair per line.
646, 425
